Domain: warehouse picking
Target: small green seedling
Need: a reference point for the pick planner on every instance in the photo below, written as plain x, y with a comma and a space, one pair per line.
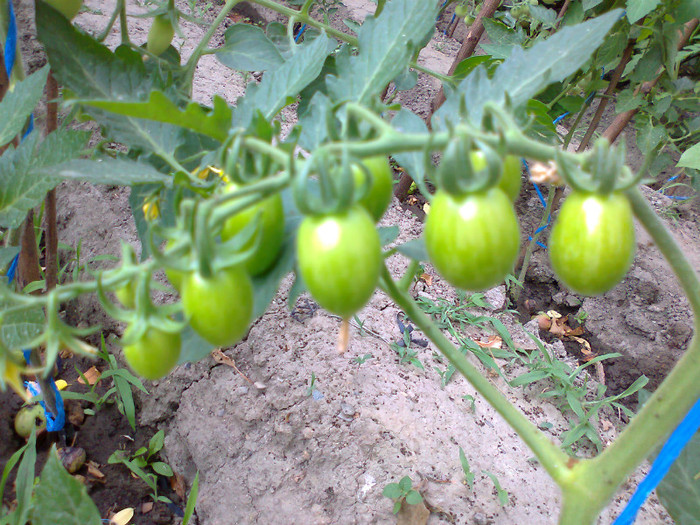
142, 459
359, 360
406, 353
312, 385
468, 474
503, 497
402, 491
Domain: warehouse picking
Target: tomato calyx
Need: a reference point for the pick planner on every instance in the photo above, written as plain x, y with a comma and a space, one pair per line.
458, 174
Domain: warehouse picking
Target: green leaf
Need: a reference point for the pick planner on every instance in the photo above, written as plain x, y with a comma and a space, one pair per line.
468, 474
528, 71
278, 87
679, 491
214, 122
543, 14
467, 65
690, 158
23, 180
637, 9
191, 500
405, 484
60, 498
162, 468
7, 253
413, 162
247, 48
413, 497
386, 45
194, 348
20, 325
499, 33
590, 4
19, 103
114, 172
392, 491
414, 249
313, 123
24, 482
156, 442
388, 234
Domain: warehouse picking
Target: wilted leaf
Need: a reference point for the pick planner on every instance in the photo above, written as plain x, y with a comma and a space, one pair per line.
416, 514
122, 517
494, 341
92, 376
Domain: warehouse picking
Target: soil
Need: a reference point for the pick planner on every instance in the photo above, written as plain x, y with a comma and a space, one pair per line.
273, 446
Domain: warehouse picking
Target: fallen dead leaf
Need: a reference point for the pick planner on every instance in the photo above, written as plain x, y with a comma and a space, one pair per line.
93, 470
494, 341
426, 278
223, 359
92, 375
541, 173
147, 507
177, 483
122, 517
607, 425
412, 201
417, 514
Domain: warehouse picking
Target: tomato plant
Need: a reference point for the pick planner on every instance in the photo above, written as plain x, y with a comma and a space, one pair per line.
473, 239
219, 307
127, 294
154, 354
160, 35
592, 243
339, 258
378, 196
510, 181
269, 233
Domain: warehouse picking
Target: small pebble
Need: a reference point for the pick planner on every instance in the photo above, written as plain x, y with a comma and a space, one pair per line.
260, 385
307, 433
242, 390
480, 519
220, 412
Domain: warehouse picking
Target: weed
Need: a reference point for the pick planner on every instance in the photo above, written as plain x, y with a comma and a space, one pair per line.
503, 497
360, 360
312, 385
406, 353
468, 474
143, 459
402, 491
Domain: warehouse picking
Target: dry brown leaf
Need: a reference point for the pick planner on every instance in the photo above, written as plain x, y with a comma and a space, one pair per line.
93, 470
426, 278
122, 517
541, 173
223, 359
92, 375
177, 483
553, 314
412, 201
147, 507
607, 425
417, 514
559, 327
493, 342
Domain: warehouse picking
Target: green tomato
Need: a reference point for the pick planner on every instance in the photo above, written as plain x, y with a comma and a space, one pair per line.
270, 229
592, 243
339, 259
378, 196
510, 181
127, 294
155, 354
28, 418
68, 8
468, 20
219, 308
174, 276
461, 10
160, 35
473, 239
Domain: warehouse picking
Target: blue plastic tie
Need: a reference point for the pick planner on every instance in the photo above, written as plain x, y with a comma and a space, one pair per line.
11, 40
448, 25
298, 35
53, 423
669, 453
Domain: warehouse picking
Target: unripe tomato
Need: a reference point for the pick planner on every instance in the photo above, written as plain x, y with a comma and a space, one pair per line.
339, 257
510, 181
461, 10
127, 294
592, 243
28, 418
468, 20
68, 8
473, 239
160, 35
155, 354
378, 196
270, 229
219, 308
174, 276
